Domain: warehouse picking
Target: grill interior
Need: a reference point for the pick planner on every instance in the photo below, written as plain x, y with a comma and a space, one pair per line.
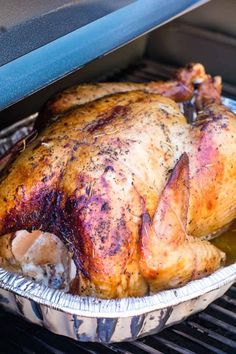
211, 331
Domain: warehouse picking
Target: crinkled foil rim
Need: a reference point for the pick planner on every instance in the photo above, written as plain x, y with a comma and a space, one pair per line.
126, 307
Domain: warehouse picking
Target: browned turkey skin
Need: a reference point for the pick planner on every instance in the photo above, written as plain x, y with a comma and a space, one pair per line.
129, 186
180, 89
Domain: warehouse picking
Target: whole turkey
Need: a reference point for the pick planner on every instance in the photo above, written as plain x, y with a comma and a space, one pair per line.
118, 189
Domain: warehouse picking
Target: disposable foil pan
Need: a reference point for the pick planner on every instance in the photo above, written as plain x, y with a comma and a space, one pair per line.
91, 319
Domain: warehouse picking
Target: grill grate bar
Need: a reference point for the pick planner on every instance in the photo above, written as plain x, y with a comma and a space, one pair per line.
145, 71
128, 348
224, 311
213, 334
171, 345
229, 300
146, 347
198, 341
233, 289
116, 349
217, 322
226, 305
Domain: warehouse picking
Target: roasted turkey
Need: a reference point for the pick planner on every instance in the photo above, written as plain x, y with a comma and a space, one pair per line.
121, 186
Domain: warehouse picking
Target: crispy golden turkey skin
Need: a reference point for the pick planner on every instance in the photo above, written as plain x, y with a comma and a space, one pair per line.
129, 187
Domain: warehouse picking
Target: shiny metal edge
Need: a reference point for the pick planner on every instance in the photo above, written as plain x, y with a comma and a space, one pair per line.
126, 307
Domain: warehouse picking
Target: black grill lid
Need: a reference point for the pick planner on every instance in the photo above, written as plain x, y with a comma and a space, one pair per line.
42, 41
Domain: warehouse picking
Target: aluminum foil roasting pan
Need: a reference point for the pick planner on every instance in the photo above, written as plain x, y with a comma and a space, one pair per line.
91, 319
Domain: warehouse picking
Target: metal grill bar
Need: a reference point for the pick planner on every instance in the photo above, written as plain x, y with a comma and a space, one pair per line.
213, 334
197, 338
211, 331
211, 320
173, 346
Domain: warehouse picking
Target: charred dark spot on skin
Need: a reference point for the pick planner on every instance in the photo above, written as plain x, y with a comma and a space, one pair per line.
106, 118
109, 168
146, 223
48, 178
114, 249
70, 205
30, 214
120, 236
73, 158
84, 182
81, 198
204, 126
224, 125
88, 189
109, 151
105, 207
76, 145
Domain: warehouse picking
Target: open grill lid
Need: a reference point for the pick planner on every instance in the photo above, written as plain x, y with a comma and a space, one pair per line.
41, 42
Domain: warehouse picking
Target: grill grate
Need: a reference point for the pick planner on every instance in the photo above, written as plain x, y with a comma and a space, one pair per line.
211, 331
